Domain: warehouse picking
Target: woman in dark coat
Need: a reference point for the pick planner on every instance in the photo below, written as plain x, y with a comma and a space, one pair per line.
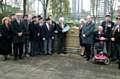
82, 22
6, 40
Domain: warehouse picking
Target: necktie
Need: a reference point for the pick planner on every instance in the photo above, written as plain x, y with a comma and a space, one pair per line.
115, 30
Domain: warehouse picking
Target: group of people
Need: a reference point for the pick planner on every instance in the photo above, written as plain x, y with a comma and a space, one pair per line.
39, 34
18, 33
108, 30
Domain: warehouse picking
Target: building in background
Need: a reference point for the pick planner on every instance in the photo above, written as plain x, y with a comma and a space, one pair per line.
77, 11
102, 7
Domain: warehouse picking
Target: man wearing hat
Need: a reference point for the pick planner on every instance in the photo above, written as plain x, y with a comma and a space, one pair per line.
48, 36
107, 27
34, 36
40, 26
18, 31
13, 17
53, 23
116, 39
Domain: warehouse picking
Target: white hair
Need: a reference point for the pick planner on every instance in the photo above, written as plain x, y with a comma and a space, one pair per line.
61, 18
82, 20
89, 16
100, 27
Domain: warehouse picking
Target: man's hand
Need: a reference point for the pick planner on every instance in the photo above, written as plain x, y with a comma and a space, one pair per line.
113, 39
44, 39
38, 34
52, 37
84, 35
20, 34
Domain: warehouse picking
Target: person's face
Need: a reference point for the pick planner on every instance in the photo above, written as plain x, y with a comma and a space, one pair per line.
18, 16
41, 21
6, 21
89, 19
34, 19
48, 21
100, 29
82, 22
25, 18
107, 18
118, 21
61, 21
13, 17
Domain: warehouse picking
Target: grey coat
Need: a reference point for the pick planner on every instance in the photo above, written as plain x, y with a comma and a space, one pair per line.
88, 30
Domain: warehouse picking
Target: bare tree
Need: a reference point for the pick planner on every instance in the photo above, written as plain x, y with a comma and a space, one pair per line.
113, 7
45, 6
94, 6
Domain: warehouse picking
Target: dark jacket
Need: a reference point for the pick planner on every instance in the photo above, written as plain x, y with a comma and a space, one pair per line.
88, 30
40, 29
6, 38
54, 25
97, 35
34, 30
27, 32
17, 28
60, 33
47, 34
116, 35
80, 31
107, 28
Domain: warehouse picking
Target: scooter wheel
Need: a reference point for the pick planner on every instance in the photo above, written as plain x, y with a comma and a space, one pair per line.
107, 61
93, 59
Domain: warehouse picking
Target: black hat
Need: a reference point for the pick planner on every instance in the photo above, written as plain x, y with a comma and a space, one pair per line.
40, 18
108, 15
13, 15
47, 19
118, 18
33, 17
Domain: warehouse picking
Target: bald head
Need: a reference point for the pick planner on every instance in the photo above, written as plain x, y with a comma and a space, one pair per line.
89, 18
100, 28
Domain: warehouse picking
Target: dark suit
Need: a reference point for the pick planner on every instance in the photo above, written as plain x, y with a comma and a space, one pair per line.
116, 44
107, 27
27, 36
47, 34
54, 28
18, 40
88, 30
41, 45
61, 38
34, 38
6, 39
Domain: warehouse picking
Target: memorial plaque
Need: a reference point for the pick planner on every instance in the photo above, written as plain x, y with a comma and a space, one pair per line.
72, 39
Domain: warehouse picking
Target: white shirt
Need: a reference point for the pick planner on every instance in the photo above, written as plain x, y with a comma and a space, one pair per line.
62, 25
47, 25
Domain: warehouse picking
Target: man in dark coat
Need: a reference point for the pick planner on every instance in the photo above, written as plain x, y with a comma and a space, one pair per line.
107, 27
34, 37
40, 26
116, 38
53, 23
47, 35
18, 30
61, 36
87, 33
27, 37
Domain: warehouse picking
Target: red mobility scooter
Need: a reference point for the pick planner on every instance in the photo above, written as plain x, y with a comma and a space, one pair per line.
101, 56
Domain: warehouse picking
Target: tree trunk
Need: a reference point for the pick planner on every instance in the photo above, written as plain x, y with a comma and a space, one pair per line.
24, 7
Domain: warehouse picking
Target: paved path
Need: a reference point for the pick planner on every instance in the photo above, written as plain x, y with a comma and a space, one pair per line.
69, 66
